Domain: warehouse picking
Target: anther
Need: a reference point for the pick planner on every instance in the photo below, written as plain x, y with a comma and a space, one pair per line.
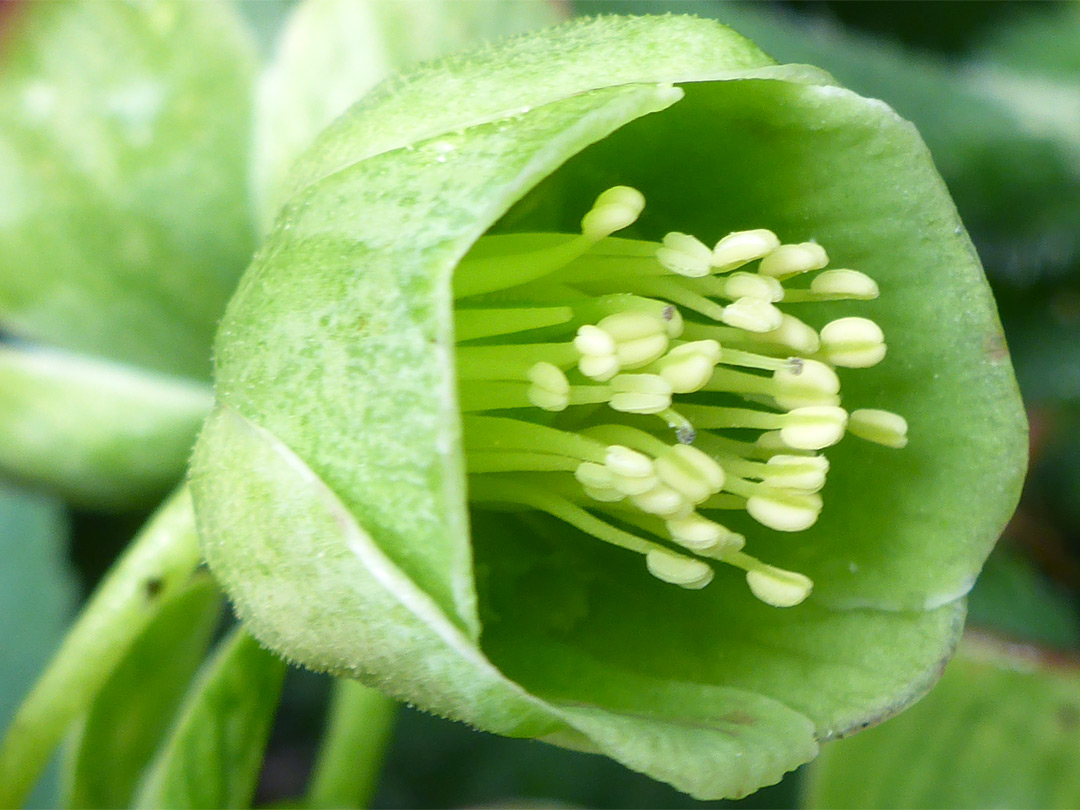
790, 260
663, 501
678, 570
852, 343
751, 285
688, 367
784, 510
615, 209
742, 247
804, 383
777, 587
845, 284
800, 473
685, 255
640, 393
597, 350
550, 390
639, 337
691, 472
753, 315
881, 427
814, 428
701, 535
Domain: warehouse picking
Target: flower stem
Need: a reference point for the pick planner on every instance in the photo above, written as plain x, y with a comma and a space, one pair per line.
350, 760
159, 561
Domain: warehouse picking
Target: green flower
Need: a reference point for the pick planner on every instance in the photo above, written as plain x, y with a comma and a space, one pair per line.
624, 414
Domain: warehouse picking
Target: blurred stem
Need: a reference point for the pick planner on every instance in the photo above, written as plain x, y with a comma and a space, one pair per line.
350, 760
159, 561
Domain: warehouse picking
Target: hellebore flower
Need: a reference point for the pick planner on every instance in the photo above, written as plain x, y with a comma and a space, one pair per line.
679, 389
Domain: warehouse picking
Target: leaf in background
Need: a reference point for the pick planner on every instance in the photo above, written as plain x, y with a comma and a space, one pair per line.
330, 486
103, 435
331, 52
1012, 598
135, 707
37, 595
124, 216
1001, 729
212, 757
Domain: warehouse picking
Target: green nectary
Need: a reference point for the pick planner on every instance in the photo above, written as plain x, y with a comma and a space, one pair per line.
333, 480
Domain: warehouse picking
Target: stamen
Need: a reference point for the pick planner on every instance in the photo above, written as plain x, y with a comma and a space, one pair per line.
882, 427
853, 343
743, 247
557, 309
791, 260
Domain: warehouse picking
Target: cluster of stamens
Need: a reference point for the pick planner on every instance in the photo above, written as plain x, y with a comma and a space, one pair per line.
637, 390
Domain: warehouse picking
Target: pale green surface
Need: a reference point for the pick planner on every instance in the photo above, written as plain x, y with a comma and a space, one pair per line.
328, 484
331, 52
124, 131
1002, 729
159, 560
347, 768
212, 757
103, 435
38, 593
136, 705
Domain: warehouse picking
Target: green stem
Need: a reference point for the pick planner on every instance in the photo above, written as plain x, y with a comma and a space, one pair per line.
159, 561
350, 760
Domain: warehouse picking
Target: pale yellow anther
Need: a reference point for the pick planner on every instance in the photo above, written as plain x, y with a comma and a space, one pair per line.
604, 494
627, 463
753, 285
814, 428
675, 569
881, 427
685, 255
690, 471
597, 349
640, 393
741, 247
845, 283
790, 260
615, 209
688, 367
805, 383
852, 343
753, 315
640, 337
793, 334
697, 532
591, 474
800, 473
550, 390
673, 321
777, 587
784, 510
663, 501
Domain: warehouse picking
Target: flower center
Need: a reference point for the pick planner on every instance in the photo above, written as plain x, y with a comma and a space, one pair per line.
638, 390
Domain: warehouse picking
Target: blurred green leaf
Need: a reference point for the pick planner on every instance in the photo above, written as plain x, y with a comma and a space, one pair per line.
37, 596
1001, 729
213, 755
1046, 41
136, 705
331, 52
1011, 597
103, 435
124, 132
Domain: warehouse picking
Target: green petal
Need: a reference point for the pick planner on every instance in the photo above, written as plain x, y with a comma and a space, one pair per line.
122, 176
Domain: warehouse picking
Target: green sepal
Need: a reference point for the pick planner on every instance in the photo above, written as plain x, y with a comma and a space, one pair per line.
348, 428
